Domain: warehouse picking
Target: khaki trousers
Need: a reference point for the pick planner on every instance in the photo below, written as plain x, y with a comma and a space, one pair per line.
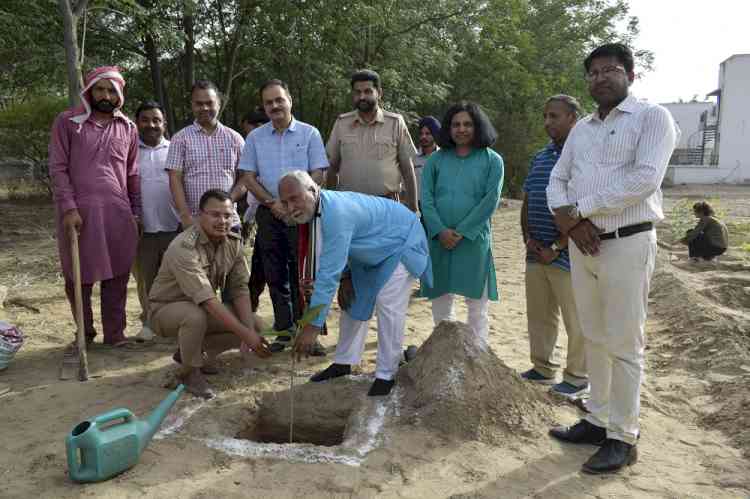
611, 292
195, 330
151, 249
549, 294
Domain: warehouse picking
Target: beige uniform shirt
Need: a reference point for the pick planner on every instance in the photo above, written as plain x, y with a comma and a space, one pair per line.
193, 270
367, 155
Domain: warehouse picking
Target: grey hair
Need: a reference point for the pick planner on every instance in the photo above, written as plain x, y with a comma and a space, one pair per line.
573, 105
302, 178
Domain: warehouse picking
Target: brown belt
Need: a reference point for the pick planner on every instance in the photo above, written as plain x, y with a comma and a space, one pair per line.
391, 195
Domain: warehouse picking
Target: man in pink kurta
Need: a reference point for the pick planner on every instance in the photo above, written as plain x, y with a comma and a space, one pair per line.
92, 162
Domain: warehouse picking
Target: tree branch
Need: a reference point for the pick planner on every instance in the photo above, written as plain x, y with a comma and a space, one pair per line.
417, 24
78, 7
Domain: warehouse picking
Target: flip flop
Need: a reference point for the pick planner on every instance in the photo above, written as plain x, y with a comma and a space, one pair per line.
126, 344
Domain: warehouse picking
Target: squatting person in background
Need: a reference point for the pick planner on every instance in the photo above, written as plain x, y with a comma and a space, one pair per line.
709, 238
461, 186
92, 161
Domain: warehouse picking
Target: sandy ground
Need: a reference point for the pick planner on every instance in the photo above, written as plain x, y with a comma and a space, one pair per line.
695, 423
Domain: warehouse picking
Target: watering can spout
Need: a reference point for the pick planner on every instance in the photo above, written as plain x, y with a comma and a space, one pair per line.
152, 422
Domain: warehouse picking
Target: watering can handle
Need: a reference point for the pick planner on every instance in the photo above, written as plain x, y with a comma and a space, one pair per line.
121, 413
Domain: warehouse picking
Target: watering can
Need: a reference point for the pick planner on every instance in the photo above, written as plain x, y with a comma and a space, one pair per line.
102, 447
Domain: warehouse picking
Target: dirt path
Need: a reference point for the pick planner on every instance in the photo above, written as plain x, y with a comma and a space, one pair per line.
681, 455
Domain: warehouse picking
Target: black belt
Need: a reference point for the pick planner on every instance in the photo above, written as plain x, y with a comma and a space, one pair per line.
626, 231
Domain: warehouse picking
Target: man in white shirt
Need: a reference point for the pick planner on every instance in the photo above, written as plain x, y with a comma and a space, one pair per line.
160, 220
605, 194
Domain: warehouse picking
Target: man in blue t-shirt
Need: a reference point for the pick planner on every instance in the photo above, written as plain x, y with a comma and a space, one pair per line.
549, 292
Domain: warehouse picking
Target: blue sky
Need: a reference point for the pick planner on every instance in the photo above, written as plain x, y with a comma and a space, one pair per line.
689, 39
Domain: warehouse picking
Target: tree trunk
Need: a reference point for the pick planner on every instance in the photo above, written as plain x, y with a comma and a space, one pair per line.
70, 13
152, 54
189, 55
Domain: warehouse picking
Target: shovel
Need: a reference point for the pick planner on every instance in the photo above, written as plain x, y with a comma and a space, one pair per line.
74, 359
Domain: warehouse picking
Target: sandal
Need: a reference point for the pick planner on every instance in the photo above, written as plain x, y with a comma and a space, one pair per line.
125, 344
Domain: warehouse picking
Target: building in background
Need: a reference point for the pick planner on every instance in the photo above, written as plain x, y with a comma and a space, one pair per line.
714, 147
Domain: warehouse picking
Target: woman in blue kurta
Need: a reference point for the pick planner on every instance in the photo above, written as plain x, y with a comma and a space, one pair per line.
461, 186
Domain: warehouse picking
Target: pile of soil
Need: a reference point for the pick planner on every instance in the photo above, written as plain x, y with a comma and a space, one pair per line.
707, 330
460, 388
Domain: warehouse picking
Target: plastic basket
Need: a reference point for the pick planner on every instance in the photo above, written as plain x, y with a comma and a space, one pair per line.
11, 340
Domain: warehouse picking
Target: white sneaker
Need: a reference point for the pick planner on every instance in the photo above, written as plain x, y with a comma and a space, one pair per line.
146, 334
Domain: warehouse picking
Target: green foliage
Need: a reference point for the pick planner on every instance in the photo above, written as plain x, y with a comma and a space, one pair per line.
507, 55
25, 131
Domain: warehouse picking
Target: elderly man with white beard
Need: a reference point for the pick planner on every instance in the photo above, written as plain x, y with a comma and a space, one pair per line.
373, 249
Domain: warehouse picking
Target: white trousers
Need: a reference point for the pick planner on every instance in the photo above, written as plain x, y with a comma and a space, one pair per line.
611, 295
476, 316
390, 308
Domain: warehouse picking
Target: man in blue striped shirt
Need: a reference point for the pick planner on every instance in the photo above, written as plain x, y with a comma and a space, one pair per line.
549, 292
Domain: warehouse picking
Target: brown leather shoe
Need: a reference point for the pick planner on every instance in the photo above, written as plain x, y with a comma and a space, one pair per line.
613, 456
196, 384
582, 432
209, 369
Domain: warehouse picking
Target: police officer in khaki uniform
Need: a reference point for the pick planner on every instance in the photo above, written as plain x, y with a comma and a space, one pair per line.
370, 150
203, 259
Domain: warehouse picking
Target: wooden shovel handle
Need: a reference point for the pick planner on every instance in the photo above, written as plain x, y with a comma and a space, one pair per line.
83, 364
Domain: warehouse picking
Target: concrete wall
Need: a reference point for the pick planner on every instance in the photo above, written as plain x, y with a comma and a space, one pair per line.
687, 115
692, 174
734, 115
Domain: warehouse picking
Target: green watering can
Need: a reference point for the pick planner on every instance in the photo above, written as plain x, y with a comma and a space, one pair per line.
98, 450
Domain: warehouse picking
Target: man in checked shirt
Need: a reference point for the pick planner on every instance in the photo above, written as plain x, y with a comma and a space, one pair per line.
203, 156
604, 192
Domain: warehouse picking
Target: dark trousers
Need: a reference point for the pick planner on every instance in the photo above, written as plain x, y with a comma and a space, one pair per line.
257, 277
700, 247
114, 294
151, 249
277, 243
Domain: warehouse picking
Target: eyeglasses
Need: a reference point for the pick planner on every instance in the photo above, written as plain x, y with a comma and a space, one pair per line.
605, 72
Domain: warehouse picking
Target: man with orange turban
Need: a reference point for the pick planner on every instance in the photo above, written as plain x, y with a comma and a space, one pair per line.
92, 163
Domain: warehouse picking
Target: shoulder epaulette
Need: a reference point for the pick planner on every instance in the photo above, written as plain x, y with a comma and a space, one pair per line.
190, 239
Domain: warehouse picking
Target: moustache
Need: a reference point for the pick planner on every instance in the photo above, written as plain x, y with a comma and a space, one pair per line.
104, 106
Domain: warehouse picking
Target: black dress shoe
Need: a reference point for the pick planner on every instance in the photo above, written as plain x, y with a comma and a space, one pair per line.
582, 432
332, 371
613, 455
381, 387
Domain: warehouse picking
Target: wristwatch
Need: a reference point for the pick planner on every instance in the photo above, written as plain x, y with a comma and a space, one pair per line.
556, 247
573, 211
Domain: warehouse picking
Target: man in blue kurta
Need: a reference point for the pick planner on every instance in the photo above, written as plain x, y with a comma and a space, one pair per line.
376, 248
